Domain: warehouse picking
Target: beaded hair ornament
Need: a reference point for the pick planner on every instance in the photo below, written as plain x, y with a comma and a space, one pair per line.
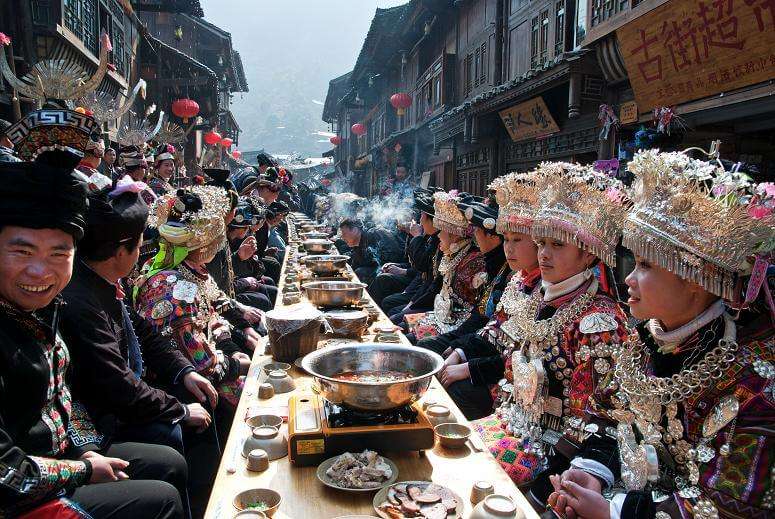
581, 206
447, 216
696, 220
517, 199
191, 229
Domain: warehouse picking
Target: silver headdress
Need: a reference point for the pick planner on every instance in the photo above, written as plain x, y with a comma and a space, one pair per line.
105, 107
57, 79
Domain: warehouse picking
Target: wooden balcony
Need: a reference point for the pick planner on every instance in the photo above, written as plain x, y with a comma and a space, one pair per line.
605, 16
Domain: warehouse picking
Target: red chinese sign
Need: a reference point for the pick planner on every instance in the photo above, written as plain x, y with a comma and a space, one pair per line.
690, 49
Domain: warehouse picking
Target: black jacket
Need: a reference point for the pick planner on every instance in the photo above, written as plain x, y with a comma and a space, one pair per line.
428, 260
377, 247
34, 451
92, 325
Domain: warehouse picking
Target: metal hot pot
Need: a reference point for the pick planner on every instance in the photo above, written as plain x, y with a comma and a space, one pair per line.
332, 294
316, 246
418, 364
326, 263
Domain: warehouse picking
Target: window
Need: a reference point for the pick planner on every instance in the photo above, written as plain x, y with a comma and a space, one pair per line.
477, 66
559, 27
581, 23
483, 69
468, 65
544, 36
81, 18
534, 51
437, 92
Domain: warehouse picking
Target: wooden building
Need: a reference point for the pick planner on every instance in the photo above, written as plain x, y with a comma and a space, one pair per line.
184, 56
501, 85
46, 29
710, 66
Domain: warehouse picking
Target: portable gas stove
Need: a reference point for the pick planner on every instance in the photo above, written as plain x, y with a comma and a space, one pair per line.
318, 429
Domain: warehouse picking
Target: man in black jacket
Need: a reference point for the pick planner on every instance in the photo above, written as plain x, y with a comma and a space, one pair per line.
420, 252
111, 346
370, 248
49, 449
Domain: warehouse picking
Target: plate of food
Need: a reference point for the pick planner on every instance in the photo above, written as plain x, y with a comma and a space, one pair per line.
358, 472
421, 499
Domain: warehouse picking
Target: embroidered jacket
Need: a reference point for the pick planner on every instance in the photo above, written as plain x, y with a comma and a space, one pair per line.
160, 186
176, 308
542, 429
740, 483
42, 432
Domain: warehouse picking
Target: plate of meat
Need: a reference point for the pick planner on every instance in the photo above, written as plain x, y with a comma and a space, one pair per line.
421, 499
361, 472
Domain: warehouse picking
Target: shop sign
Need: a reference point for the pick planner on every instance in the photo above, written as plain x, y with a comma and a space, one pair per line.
628, 113
690, 49
528, 120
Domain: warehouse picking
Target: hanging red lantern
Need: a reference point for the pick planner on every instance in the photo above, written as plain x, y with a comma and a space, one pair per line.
401, 101
358, 129
335, 140
185, 108
212, 137
226, 142
236, 154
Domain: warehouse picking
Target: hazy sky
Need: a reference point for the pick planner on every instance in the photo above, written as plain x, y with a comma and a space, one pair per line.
290, 50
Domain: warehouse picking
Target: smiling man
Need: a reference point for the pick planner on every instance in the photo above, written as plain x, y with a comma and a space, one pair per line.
47, 443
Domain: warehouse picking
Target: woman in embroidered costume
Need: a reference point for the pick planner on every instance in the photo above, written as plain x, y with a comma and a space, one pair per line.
177, 295
460, 267
163, 170
477, 355
561, 337
696, 409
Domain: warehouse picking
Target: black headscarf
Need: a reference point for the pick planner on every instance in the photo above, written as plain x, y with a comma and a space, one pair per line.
114, 219
40, 195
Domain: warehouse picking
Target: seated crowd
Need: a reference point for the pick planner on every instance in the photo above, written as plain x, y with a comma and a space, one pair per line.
660, 405
129, 310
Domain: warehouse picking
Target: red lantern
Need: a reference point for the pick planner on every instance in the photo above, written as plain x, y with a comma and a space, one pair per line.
336, 140
358, 129
326, 182
212, 137
401, 101
236, 154
226, 142
185, 108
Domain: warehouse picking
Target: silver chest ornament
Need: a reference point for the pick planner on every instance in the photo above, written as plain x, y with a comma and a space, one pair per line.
185, 291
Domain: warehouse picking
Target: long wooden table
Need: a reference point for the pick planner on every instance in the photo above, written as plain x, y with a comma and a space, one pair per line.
304, 497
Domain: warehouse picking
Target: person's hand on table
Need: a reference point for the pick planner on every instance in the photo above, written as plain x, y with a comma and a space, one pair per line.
104, 469
386, 266
453, 373
201, 388
577, 495
451, 357
271, 251
252, 314
396, 270
252, 338
244, 362
198, 418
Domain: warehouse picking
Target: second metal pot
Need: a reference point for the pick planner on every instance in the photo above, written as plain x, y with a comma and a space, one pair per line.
332, 294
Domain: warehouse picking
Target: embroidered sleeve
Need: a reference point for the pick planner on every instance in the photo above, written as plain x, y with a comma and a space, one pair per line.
81, 431
54, 475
